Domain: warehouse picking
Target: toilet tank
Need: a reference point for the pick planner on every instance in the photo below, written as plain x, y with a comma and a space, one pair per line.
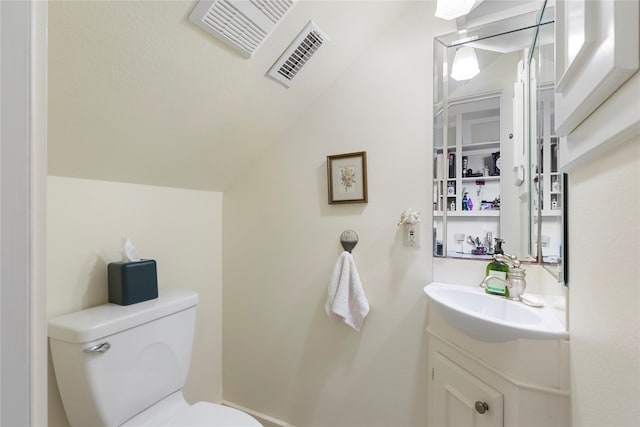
111, 362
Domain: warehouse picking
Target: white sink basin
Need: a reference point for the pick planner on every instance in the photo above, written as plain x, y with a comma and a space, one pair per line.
493, 318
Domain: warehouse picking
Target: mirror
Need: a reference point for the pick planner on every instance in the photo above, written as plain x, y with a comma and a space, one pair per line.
489, 180
548, 195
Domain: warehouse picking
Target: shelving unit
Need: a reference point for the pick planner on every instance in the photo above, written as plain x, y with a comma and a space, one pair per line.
549, 182
549, 179
469, 162
488, 213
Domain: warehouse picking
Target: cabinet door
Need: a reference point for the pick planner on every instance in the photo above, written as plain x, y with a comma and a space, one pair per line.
456, 392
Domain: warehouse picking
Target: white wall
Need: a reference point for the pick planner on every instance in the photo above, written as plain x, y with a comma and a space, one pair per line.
180, 229
22, 193
282, 356
604, 271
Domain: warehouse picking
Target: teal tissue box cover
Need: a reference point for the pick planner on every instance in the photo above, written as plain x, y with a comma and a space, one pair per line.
132, 282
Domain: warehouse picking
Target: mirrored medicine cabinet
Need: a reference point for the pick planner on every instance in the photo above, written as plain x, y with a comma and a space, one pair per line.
494, 148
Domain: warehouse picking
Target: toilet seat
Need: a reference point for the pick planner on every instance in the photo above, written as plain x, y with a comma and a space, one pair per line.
174, 411
206, 414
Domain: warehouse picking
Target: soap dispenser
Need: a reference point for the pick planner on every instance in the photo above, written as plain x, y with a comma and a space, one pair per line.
497, 269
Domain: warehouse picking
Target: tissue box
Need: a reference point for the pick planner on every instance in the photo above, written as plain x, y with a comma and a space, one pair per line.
132, 282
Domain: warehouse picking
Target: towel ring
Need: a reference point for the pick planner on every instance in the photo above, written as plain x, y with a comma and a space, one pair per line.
349, 240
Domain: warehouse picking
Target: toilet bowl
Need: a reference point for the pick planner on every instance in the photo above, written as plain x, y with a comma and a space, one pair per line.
127, 365
174, 411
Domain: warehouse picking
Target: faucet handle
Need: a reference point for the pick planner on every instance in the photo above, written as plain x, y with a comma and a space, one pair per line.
483, 284
512, 260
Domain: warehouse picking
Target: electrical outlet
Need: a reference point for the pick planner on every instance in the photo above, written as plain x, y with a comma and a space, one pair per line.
412, 235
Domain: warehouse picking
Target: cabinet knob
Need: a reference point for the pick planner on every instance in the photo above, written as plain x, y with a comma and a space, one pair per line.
482, 407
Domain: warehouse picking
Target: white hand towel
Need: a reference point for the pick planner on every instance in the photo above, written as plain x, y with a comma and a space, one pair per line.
346, 298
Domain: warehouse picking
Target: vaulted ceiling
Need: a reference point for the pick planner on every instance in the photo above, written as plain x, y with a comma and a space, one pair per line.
137, 93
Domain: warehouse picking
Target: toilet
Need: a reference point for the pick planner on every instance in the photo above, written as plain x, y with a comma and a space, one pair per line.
126, 365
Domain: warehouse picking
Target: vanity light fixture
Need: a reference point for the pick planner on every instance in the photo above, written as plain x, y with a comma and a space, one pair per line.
452, 9
465, 64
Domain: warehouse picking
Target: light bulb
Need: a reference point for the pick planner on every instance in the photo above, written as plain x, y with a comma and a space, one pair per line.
465, 64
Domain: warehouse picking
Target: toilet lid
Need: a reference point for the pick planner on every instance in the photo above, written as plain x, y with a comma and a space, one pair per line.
206, 414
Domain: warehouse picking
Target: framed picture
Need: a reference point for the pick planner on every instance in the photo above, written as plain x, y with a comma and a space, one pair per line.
347, 178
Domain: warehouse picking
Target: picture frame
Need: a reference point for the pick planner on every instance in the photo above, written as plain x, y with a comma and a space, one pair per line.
592, 64
347, 178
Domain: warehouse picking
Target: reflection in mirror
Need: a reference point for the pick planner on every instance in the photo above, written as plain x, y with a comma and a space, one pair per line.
548, 195
482, 184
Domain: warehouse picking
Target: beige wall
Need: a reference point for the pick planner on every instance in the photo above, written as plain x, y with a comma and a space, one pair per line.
282, 356
180, 229
604, 263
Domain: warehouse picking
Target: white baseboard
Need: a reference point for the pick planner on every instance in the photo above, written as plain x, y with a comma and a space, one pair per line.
265, 420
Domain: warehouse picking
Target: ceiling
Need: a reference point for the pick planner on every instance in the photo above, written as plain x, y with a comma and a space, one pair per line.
137, 93
495, 10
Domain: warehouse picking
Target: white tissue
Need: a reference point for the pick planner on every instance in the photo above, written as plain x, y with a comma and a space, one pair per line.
129, 252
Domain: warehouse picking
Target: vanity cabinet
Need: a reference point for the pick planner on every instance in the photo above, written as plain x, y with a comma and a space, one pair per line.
524, 383
463, 399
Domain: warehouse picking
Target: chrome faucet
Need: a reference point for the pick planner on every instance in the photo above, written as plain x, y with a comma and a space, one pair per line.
515, 276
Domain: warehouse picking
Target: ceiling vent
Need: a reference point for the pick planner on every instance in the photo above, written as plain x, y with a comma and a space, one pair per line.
298, 54
242, 24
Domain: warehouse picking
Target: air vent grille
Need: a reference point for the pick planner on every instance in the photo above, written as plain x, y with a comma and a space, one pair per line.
242, 24
274, 10
298, 54
234, 26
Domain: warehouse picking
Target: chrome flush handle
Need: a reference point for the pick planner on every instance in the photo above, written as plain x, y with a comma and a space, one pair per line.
98, 348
